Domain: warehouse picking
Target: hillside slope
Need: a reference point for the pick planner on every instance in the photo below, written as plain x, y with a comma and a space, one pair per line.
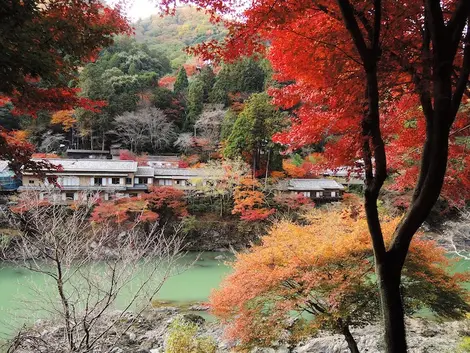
171, 34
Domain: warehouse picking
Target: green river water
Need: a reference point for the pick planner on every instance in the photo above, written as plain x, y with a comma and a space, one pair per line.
193, 285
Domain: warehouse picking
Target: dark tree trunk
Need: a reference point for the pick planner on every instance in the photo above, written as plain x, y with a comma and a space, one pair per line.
392, 309
440, 98
352, 345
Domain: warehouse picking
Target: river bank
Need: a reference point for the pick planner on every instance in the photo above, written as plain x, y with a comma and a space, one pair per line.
148, 333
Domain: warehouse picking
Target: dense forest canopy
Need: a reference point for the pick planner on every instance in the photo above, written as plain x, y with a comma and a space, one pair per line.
173, 34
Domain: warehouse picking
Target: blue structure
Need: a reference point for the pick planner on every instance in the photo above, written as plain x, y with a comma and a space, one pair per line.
8, 181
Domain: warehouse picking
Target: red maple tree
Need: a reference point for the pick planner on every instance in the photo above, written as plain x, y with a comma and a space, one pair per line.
349, 65
159, 204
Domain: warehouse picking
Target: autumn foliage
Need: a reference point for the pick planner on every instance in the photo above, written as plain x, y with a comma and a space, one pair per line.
40, 58
324, 269
65, 118
167, 82
159, 204
249, 201
293, 202
126, 155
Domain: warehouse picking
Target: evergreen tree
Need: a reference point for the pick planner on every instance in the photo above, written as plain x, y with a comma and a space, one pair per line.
245, 76
207, 77
195, 103
253, 130
181, 83
132, 69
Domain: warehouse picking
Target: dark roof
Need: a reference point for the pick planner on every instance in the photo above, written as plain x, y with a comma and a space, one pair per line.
144, 172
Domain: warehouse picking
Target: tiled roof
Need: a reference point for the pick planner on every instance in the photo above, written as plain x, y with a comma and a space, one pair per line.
144, 171
310, 184
93, 165
168, 158
186, 172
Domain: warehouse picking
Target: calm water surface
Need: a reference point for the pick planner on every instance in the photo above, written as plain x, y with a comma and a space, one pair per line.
17, 286
193, 285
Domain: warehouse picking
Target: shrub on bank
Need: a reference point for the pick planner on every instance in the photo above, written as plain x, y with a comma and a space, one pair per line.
183, 338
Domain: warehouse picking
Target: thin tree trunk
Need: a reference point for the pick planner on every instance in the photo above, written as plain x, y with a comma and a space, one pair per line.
352, 345
65, 305
267, 169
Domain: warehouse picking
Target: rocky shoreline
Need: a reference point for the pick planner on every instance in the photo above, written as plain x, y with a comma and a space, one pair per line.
148, 333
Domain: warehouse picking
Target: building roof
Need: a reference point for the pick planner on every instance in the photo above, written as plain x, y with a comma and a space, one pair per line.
93, 165
310, 184
164, 158
184, 172
144, 172
88, 151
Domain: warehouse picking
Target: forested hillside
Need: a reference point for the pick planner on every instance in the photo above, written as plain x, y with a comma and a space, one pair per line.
172, 34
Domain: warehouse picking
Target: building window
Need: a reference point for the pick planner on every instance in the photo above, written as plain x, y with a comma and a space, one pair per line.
69, 181
69, 195
99, 181
143, 180
128, 181
31, 182
333, 194
115, 181
319, 194
161, 182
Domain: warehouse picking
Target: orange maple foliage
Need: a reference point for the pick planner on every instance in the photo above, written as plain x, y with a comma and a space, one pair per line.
190, 69
45, 156
277, 175
249, 201
324, 269
292, 170
65, 118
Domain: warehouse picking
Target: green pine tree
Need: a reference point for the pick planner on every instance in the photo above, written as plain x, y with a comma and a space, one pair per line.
207, 77
195, 103
181, 83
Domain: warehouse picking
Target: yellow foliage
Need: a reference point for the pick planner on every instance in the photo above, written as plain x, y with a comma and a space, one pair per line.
20, 135
65, 118
328, 262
